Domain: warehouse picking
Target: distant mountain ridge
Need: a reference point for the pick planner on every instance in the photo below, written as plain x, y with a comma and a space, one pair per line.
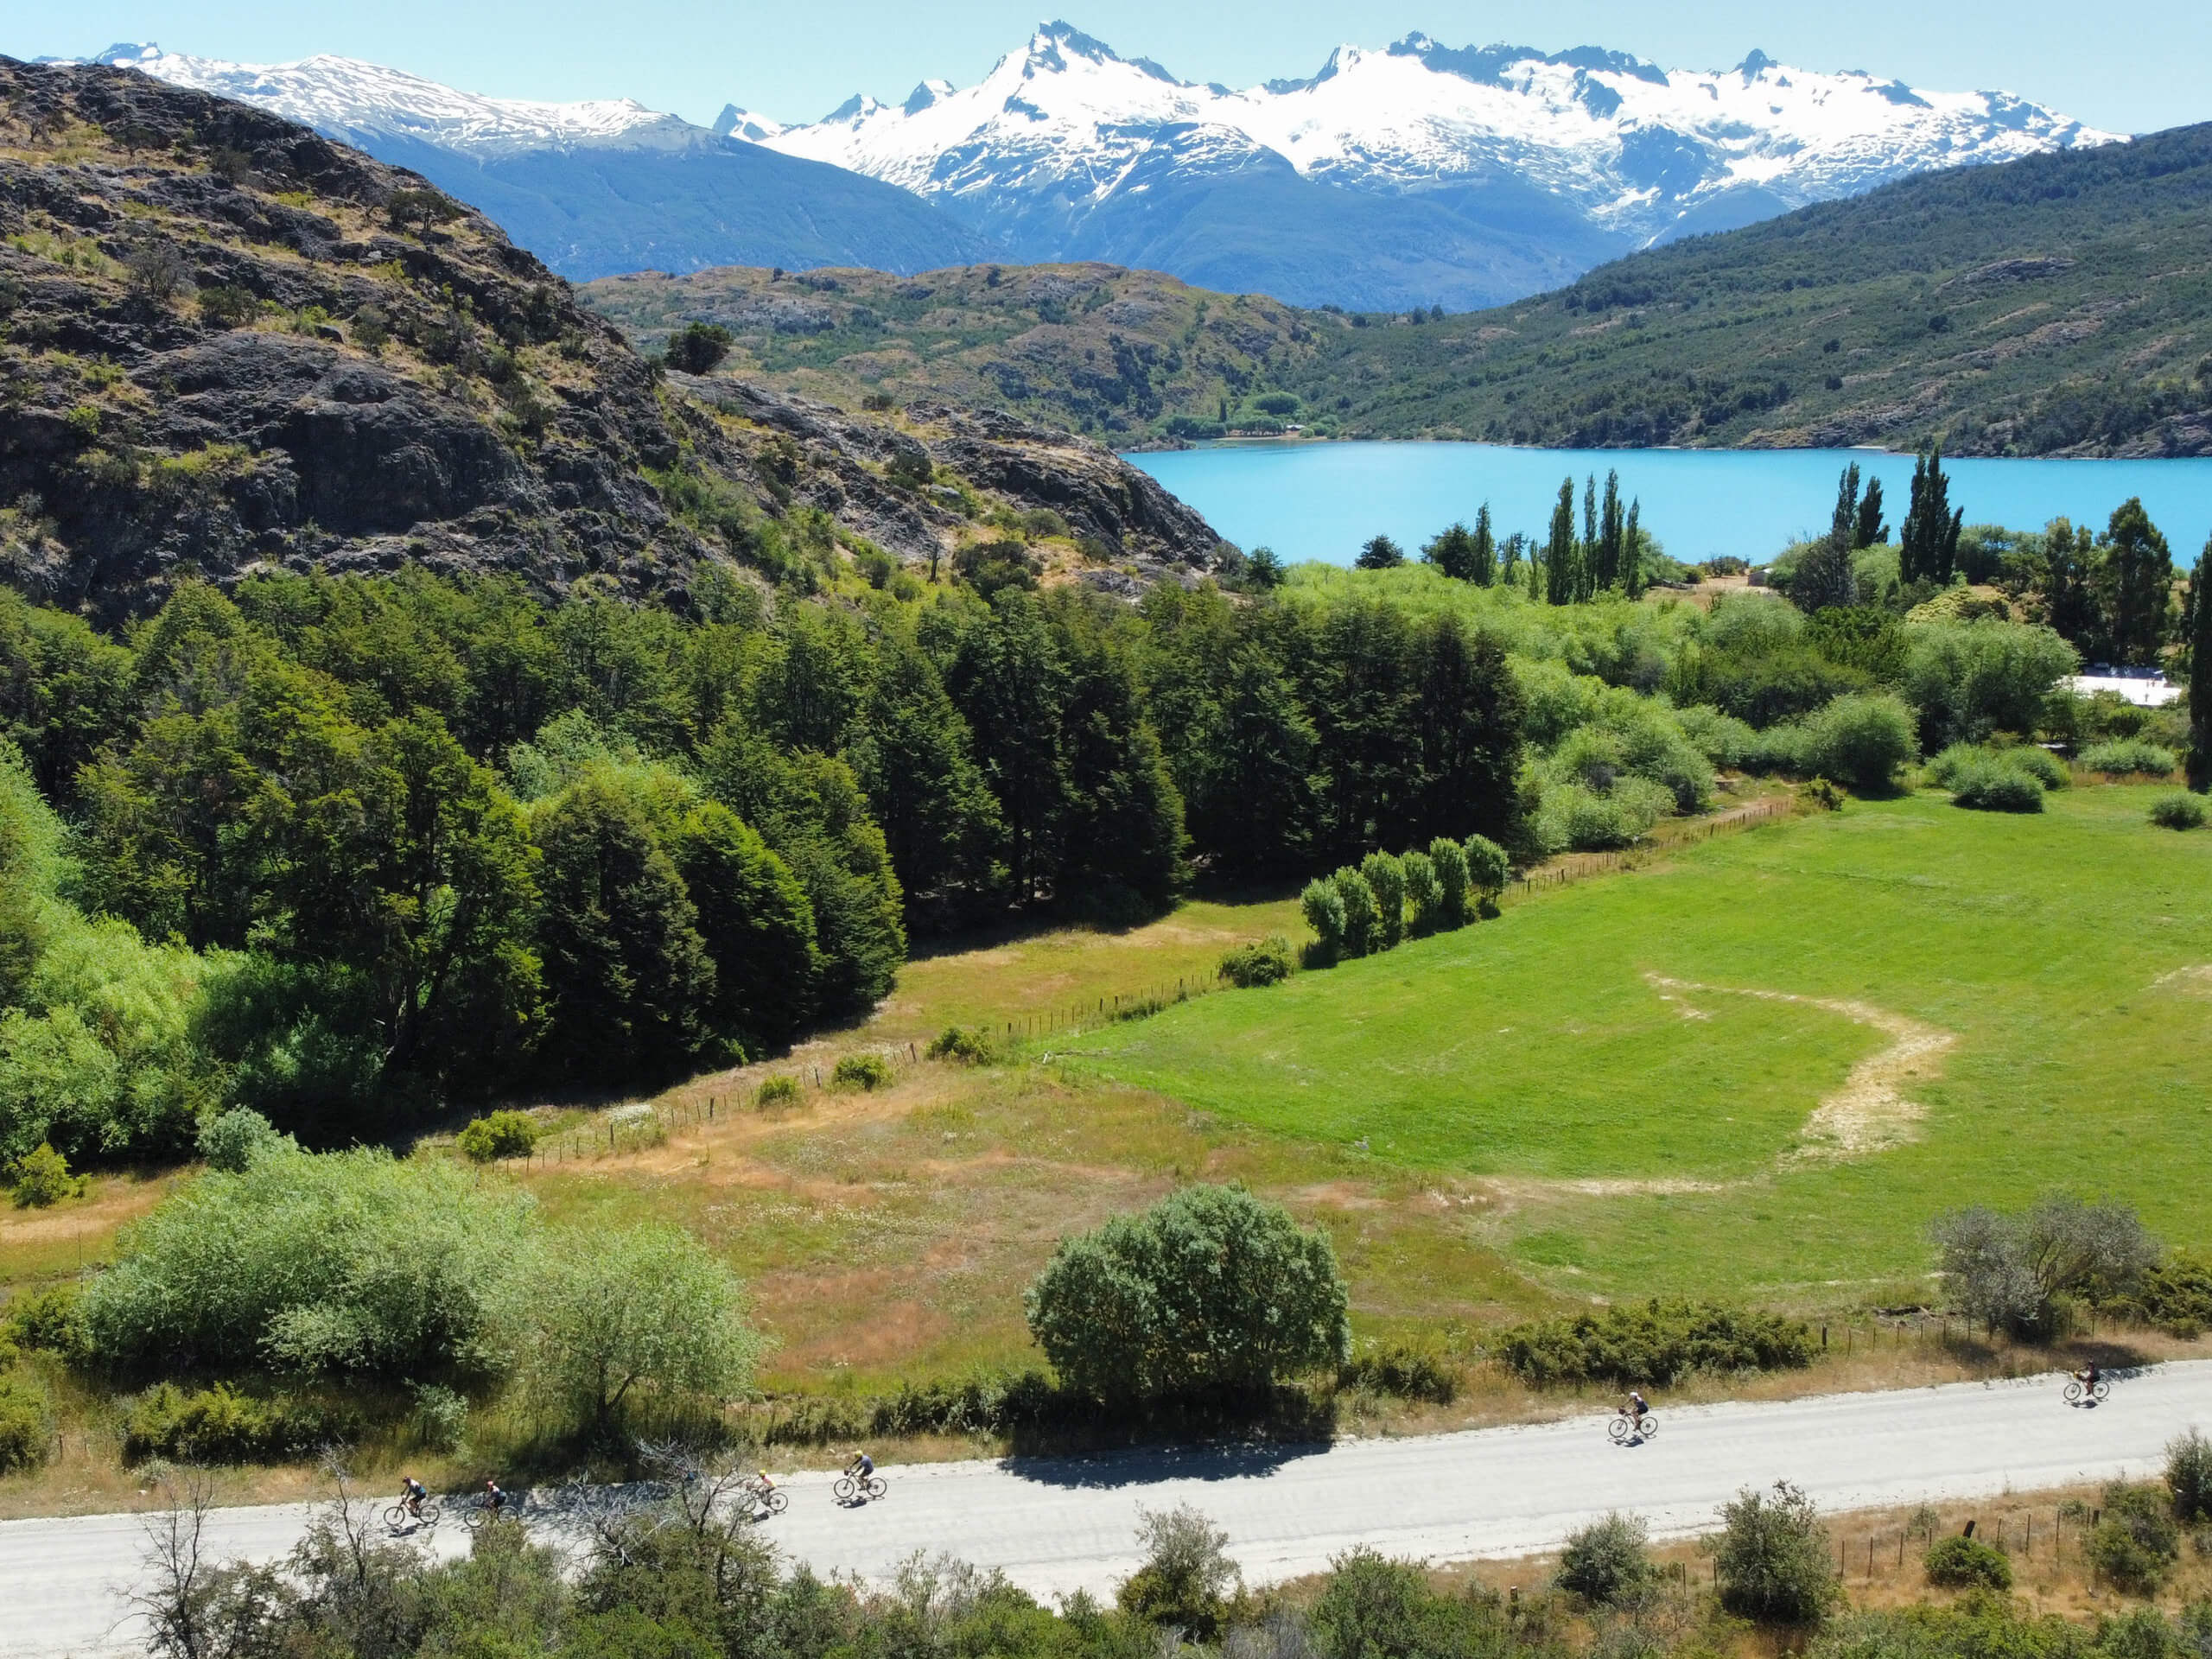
1418, 174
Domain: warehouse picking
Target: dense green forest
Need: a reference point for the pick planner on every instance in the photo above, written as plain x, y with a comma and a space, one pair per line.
2056, 304
339, 848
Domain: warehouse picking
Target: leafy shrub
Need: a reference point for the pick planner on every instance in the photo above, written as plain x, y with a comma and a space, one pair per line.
2176, 1295
1819, 794
441, 1416
1966, 1563
25, 1422
2179, 810
780, 1089
1661, 1342
1448, 858
2011, 1272
1267, 961
1424, 892
1963, 762
1722, 738
2135, 1544
862, 1071
2188, 1477
1186, 1573
1386, 878
218, 1425
1210, 1290
963, 1044
1772, 1560
1607, 1560
2126, 757
1970, 679
231, 1140
42, 1178
1362, 916
1863, 740
1323, 906
52, 1320
1575, 817
340, 1262
1488, 868
1993, 786
1371, 1607
2040, 764
503, 1135
698, 348
1401, 1372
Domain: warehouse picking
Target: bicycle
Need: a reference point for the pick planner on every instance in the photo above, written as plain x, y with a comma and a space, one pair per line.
850, 1490
479, 1513
2076, 1394
1623, 1430
400, 1518
760, 1505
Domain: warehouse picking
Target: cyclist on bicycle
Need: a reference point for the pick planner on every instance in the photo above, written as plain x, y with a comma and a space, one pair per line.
861, 1467
761, 1490
411, 1494
495, 1499
1635, 1410
2088, 1378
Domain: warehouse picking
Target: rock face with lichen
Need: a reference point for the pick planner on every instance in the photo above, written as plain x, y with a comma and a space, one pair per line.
231, 345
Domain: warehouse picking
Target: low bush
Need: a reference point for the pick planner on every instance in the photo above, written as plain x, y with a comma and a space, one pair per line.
1993, 786
42, 1178
218, 1425
1862, 739
1267, 961
1187, 1576
1424, 892
1385, 876
1968, 1563
1447, 859
2176, 1295
2135, 1544
51, 1320
1210, 1291
2179, 810
1820, 795
231, 1140
503, 1135
1488, 870
1661, 1342
1322, 907
866, 1072
779, 1090
963, 1044
2129, 756
1772, 1561
2188, 1477
2040, 764
25, 1422
1362, 916
1402, 1372
1607, 1560
441, 1416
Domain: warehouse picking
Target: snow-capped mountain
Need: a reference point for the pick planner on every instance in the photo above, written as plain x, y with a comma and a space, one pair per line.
344, 98
1417, 174
1638, 151
593, 188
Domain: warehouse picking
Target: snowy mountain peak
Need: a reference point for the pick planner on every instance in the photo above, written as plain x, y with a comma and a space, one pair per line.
352, 99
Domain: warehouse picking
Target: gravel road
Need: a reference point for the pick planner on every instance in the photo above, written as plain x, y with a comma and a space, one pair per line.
1058, 1525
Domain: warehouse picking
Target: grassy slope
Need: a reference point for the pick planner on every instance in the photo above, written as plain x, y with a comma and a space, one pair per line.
2076, 290
2039, 941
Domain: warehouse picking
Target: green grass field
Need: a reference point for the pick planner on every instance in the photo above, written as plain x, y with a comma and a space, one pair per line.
1528, 1055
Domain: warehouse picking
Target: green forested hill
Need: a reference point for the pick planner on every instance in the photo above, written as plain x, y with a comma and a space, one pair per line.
2061, 304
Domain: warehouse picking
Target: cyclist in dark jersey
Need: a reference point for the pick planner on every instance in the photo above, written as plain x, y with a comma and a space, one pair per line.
411, 1494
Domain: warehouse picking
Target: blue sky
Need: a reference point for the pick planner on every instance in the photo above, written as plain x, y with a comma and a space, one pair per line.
2133, 67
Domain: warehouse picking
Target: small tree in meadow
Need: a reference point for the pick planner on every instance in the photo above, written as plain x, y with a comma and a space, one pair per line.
1487, 869
1424, 892
1772, 1560
232, 1140
1324, 907
1362, 917
1386, 880
1449, 859
1211, 1290
503, 1135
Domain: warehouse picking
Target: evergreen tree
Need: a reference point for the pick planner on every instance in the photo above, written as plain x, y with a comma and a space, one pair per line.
1928, 546
1606, 567
1869, 531
1466, 718
1585, 561
2200, 673
1452, 551
2134, 585
1509, 554
1123, 824
1485, 548
2068, 562
1380, 553
1824, 576
1009, 682
757, 925
1633, 575
1559, 579
1253, 808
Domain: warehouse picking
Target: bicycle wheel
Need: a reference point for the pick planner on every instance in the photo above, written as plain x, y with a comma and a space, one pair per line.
2072, 1394
779, 1501
844, 1488
395, 1518
2101, 1393
875, 1486
431, 1511
478, 1516
1618, 1428
1646, 1427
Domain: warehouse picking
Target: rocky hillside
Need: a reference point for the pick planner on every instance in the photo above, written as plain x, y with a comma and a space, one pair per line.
231, 343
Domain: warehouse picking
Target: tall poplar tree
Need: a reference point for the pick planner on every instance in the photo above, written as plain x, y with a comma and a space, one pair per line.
1869, 531
1559, 551
1632, 573
1606, 572
2200, 673
1928, 547
1824, 577
1485, 548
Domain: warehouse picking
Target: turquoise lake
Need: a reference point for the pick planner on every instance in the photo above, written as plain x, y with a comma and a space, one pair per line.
1322, 501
